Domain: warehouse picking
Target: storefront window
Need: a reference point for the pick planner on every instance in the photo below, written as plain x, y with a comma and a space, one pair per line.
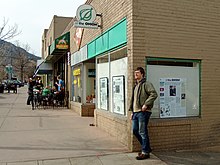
89, 82
112, 81
178, 86
118, 86
77, 84
103, 82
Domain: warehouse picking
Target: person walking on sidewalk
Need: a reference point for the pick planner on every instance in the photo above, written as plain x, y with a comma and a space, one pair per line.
143, 97
31, 84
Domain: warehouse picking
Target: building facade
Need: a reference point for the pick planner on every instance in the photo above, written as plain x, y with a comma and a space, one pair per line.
55, 47
177, 42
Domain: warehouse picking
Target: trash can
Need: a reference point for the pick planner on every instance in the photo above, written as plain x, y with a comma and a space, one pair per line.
1, 88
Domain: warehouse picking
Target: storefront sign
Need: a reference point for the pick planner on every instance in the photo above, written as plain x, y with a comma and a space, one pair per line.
76, 72
91, 73
75, 82
86, 16
68, 58
62, 45
62, 42
79, 56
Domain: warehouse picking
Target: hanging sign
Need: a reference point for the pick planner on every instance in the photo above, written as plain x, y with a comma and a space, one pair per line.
78, 37
86, 16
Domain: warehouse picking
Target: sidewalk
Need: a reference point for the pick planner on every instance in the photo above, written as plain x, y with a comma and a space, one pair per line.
56, 137
197, 156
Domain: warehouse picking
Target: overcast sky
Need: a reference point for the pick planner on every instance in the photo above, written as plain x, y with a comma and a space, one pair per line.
33, 16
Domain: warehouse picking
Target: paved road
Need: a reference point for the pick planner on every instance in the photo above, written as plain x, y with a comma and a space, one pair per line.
55, 137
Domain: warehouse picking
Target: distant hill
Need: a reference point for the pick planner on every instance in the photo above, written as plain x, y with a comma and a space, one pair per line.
23, 63
9, 50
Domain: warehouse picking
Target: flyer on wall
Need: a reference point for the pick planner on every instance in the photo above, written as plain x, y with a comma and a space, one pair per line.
104, 93
172, 97
118, 94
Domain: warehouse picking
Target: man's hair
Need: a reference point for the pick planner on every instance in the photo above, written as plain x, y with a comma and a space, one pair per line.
141, 70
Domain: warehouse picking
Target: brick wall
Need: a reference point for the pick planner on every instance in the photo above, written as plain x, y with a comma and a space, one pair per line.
188, 30
115, 125
76, 107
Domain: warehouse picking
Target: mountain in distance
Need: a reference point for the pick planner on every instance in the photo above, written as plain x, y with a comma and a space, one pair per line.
10, 50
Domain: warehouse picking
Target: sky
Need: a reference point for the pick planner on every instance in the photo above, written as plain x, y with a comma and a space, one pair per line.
33, 16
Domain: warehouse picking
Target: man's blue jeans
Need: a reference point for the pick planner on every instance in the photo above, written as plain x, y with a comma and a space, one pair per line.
139, 124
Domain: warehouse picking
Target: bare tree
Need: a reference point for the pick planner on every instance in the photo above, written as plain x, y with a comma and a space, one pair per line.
4, 59
8, 32
22, 63
29, 69
3, 50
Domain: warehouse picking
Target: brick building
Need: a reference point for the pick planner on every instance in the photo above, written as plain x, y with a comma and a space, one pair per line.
177, 42
53, 54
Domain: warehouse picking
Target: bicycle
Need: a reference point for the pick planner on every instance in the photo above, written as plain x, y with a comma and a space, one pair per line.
35, 99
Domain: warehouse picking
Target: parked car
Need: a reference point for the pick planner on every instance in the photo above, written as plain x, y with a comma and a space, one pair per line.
11, 86
18, 83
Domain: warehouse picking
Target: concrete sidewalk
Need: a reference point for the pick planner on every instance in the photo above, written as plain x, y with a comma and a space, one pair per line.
55, 137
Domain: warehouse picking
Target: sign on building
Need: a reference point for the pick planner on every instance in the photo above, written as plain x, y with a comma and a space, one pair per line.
86, 16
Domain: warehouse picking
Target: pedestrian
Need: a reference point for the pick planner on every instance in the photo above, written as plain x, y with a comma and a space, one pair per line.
143, 97
39, 85
31, 84
60, 83
9, 83
60, 91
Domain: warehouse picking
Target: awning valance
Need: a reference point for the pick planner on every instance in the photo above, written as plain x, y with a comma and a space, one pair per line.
43, 68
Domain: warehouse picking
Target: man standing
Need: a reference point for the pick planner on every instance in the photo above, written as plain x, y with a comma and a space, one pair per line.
31, 84
60, 83
143, 97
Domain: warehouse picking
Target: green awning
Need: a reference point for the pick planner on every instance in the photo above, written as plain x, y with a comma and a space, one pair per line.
113, 38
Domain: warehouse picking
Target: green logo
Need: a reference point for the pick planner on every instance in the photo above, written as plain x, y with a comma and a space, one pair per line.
86, 14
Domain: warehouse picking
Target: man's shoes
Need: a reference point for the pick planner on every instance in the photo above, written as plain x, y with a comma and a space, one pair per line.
28, 104
142, 156
139, 153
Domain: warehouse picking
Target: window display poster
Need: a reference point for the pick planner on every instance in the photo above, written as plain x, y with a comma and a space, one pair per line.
172, 97
118, 94
104, 93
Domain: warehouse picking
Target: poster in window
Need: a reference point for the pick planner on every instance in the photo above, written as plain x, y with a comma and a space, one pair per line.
104, 93
172, 97
118, 94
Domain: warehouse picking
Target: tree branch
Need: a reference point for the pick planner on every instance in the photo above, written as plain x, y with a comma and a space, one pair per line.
10, 33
